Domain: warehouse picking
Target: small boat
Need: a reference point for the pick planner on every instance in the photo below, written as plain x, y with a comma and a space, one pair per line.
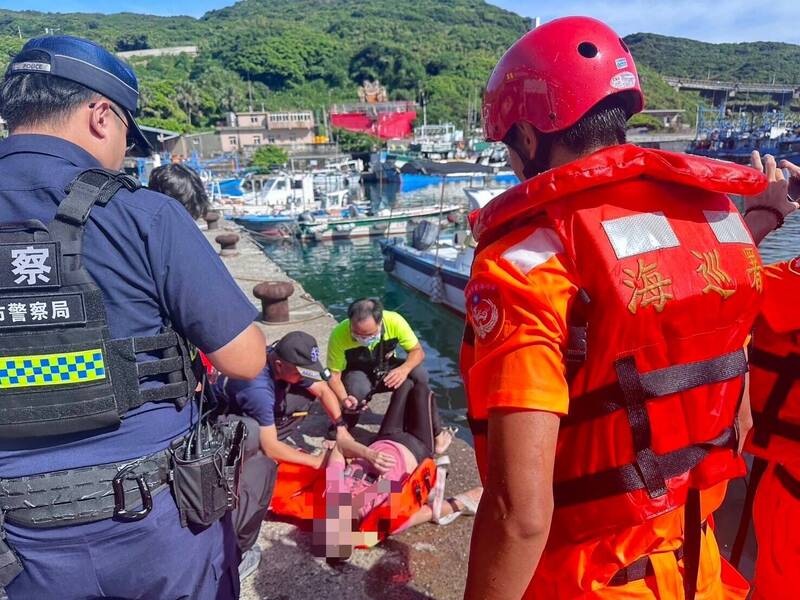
440, 271
268, 226
385, 223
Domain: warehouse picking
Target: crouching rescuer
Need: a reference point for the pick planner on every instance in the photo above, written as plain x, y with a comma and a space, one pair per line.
98, 311
610, 302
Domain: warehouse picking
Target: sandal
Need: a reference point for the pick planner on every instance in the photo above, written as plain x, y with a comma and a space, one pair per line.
468, 504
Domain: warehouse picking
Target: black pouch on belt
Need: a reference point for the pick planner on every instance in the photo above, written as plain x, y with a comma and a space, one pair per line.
10, 564
205, 473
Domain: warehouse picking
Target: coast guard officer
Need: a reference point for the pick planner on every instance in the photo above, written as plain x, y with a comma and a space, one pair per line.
83, 490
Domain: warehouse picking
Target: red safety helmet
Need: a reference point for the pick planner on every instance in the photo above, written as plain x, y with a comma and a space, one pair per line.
552, 76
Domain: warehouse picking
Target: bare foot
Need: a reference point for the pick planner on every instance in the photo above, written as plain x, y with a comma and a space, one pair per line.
442, 441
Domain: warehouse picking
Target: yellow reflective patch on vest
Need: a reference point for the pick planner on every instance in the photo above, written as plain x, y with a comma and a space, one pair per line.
52, 369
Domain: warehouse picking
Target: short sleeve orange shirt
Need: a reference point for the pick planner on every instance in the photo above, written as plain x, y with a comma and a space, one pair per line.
517, 303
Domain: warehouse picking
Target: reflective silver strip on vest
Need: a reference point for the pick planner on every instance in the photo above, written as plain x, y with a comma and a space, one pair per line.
640, 233
534, 250
728, 227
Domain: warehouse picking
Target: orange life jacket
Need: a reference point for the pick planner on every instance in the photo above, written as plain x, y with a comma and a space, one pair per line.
775, 371
299, 494
670, 286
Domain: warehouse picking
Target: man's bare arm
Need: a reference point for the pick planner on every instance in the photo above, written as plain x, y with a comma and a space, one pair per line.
244, 356
514, 514
328, 399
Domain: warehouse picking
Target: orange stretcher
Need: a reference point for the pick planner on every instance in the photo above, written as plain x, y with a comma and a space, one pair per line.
299, 495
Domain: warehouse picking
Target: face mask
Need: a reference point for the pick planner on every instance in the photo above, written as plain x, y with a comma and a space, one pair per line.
367, 341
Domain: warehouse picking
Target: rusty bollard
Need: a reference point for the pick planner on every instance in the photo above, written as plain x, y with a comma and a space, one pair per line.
212, 220
274, 296
227, 242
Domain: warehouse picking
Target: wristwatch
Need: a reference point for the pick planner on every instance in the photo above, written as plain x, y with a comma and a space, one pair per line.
340, 422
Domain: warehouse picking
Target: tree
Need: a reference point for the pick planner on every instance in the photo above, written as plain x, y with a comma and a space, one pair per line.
350, 141
187, 98
270, 156
396, 67
132, 41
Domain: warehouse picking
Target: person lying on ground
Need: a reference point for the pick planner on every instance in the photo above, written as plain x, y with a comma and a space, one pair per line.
355, 489
271, 406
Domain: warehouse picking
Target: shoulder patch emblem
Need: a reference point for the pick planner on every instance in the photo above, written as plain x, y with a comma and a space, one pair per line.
485, 310
794, 266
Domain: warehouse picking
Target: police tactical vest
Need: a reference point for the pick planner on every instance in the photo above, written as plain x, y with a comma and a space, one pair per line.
60, 370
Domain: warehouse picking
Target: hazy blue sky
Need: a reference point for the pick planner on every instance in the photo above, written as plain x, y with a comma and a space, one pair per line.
709, 20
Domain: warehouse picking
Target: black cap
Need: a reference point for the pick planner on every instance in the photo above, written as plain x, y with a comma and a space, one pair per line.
88, 64
302, 350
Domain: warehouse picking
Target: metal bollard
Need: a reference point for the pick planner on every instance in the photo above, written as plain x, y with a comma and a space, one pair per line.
227, 242
274, 296
212, 219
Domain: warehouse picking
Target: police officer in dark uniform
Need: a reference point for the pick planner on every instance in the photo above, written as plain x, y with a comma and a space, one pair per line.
102, 284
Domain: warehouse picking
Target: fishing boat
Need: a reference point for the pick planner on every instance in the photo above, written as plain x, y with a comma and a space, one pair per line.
268, 226
386, 222
734, 138
439, 270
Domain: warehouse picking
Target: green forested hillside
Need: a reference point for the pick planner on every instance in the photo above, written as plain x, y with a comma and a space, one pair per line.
750, 61
309, 53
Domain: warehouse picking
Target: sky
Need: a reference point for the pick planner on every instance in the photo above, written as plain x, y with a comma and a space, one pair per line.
707, 20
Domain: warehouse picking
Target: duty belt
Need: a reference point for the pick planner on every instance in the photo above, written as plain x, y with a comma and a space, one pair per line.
85, 495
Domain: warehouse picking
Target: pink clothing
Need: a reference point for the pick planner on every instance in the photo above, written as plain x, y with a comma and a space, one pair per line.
360, 481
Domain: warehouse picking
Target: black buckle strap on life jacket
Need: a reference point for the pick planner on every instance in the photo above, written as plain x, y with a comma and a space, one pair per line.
628, 478
756, 473
791, 484
767, 422
634, 393
85, 495
577, 333
692, 540
657, 384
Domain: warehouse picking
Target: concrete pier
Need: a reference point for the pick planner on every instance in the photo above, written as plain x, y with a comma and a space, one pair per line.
428, 561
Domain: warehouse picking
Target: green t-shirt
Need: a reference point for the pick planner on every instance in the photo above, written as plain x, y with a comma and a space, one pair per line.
394, 327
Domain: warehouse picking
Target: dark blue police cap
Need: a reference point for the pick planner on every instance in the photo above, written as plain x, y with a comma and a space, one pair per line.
88, 64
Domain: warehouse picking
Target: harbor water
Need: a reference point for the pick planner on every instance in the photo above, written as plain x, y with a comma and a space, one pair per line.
336, 273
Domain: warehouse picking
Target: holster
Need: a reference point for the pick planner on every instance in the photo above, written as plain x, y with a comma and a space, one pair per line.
10, 564
205, 476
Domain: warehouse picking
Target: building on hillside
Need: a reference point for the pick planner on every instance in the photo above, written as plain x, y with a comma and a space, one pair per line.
152, 52
374, 114
245, 131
